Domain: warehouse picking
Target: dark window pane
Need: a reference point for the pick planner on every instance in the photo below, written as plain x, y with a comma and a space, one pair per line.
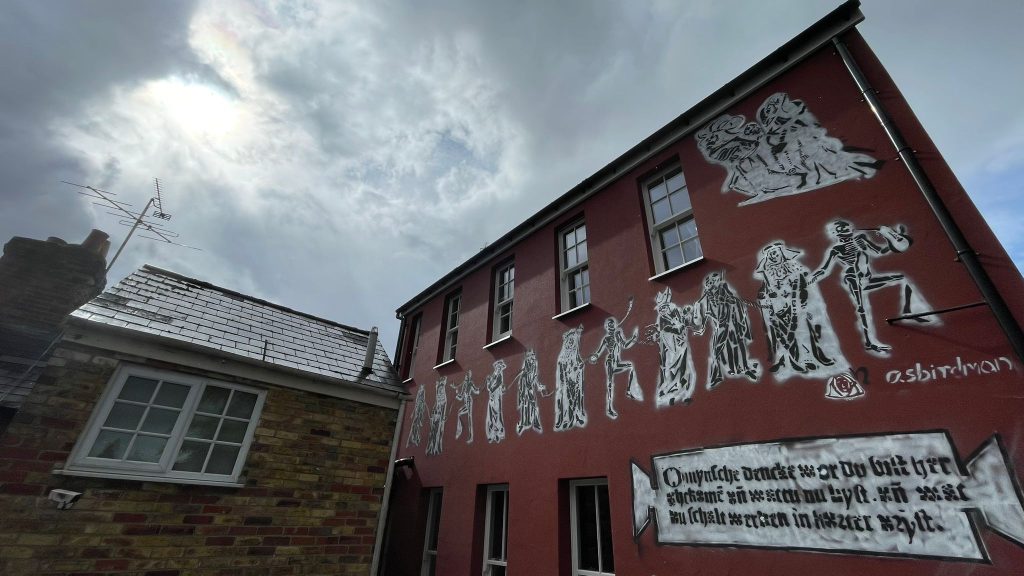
669, 237
125, 416
147, 449
495, 551
586, 518
232, 431
214, 400
191, 456
110, 444
673, 257
160, 420
223, 459
202, 427
172, 395
680, 201
658, 191
137, 389
435, 520
691, 250
242, 404
607, 562
662, 211
495, 571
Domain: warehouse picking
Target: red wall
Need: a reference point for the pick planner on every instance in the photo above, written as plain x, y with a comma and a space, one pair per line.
738, 411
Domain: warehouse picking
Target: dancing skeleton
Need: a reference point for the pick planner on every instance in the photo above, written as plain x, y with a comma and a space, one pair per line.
613, 343
853, 252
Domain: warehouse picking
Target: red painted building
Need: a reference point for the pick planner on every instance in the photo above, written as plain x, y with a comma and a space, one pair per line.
747, 341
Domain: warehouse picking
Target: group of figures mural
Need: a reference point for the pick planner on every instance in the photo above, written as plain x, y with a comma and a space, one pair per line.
784, 152
795, 319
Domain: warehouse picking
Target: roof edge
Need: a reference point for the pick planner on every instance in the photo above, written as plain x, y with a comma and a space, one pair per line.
249, 298
836, 22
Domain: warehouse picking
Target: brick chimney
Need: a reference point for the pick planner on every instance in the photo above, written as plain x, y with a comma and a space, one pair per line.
41, 282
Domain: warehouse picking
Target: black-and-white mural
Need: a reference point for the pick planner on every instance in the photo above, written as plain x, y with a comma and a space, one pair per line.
800, 336
612, 345
730, 336
569, 409
419, 413
784, 151
435, 441
676, 378
852, 251
495, 386
529, 390
843, 386
464, 393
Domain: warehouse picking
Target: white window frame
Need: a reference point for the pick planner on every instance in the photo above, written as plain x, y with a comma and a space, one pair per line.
81, 464
452, 309
574, 520
673, 221
414, 343
506, 285
435, 499
567, 271
488, 561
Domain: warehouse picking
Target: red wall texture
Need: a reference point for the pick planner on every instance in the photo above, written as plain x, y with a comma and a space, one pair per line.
537, 466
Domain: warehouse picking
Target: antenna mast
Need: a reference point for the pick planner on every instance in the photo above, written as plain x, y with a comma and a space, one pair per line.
134, 219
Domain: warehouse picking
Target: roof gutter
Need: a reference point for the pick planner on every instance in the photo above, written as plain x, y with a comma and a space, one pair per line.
818, 35
144, 344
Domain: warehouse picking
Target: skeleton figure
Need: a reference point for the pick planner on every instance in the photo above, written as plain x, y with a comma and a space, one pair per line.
495, 386
798, 341
437, 418
784, 152
612, 345
677, 379
464, 393
731, 331
419, 412
569, 409
853, 252
529, 388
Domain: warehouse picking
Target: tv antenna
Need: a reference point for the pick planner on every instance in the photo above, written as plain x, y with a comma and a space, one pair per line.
135, 220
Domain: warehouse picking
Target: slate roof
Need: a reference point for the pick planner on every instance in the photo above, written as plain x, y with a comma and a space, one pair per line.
160, 302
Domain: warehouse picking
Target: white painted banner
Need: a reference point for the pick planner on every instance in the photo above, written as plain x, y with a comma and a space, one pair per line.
894, 495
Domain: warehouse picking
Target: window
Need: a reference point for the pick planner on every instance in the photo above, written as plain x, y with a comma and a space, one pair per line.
575, 279
429, 567
153, 424
451, 326
504, 290
591, 528
496, 531
673, 229
414, 345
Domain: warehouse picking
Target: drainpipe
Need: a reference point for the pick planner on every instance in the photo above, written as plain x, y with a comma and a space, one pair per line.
965, 253
382, 517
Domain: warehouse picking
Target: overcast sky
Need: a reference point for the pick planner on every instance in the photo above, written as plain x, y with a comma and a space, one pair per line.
338, 157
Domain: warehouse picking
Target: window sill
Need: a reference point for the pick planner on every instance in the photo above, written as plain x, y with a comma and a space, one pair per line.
661, 275
145, 478
445, 363
570, 311
504, 338
407, 380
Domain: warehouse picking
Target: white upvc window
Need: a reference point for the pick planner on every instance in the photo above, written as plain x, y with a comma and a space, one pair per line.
451, 324
429, 564
496, 531
574, 266
673, 230
591, 528
414, 344
504, 290
165, 426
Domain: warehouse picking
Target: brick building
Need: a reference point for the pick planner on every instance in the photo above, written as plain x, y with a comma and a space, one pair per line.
204, 432
765, 338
